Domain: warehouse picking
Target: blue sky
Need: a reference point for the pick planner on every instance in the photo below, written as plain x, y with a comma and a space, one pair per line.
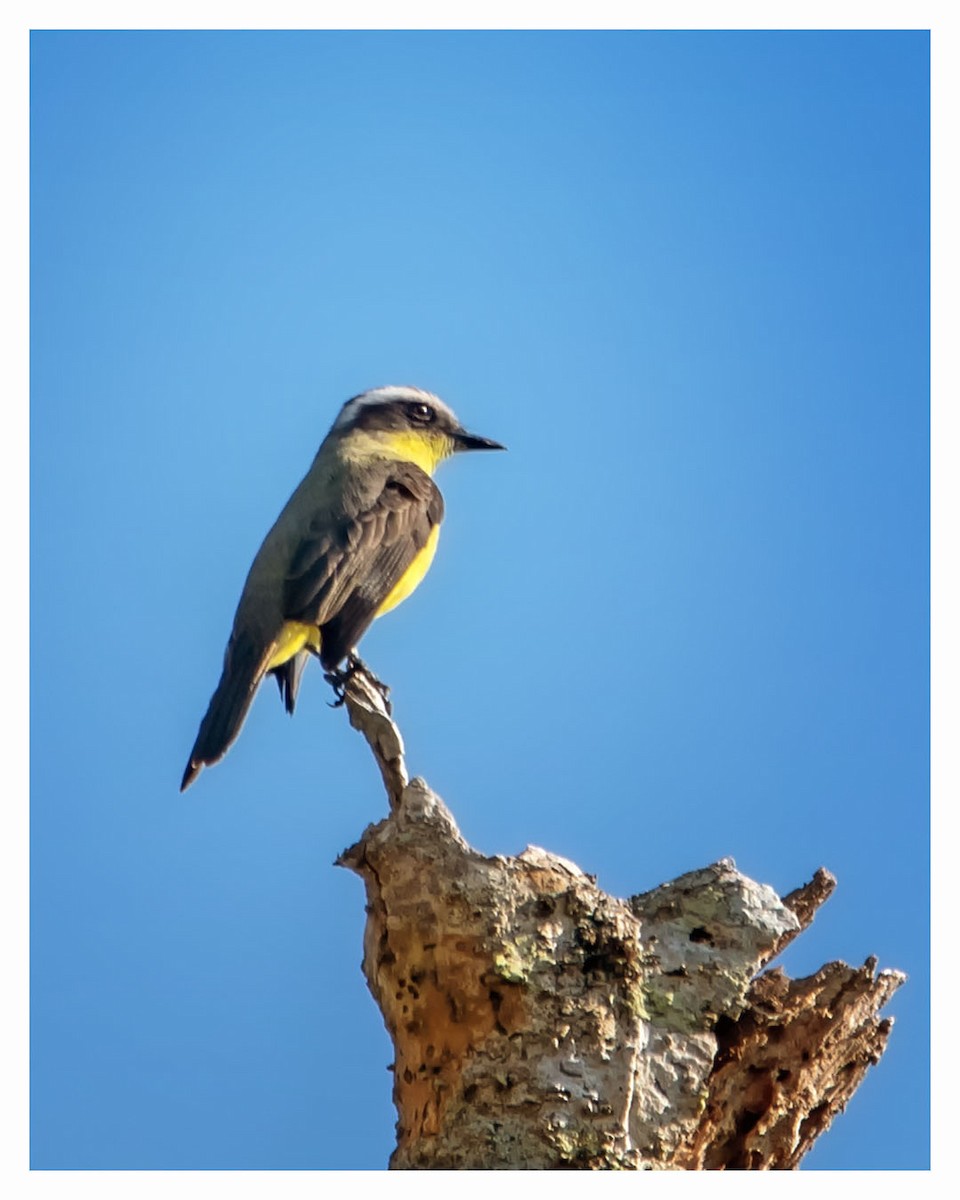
684, 277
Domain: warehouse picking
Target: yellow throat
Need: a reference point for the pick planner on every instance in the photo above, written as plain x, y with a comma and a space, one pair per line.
424, 449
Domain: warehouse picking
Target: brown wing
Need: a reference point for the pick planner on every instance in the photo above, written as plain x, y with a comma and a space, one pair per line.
339, 577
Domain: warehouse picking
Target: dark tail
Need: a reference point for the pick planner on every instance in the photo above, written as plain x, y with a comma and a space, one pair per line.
228, 706
287, 676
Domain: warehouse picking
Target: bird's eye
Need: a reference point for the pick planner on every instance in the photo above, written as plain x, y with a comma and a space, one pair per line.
423, 414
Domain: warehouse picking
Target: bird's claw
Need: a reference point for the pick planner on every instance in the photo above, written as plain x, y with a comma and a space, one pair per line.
338, 680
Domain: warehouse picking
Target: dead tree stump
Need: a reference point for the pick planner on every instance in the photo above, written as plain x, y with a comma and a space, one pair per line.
539, 1023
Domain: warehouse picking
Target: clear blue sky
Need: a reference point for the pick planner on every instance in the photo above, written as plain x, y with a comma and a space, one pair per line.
685, 278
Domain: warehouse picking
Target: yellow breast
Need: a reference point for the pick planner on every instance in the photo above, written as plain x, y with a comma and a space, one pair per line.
410, 580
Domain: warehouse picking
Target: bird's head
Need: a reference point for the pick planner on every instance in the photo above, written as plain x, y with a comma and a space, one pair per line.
404, 423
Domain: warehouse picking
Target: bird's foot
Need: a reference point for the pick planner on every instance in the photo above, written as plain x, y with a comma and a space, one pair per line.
338, 680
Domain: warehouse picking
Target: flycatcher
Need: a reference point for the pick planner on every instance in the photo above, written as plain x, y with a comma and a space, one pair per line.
354, 540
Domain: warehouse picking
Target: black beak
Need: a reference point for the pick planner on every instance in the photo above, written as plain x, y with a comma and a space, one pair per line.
470, 441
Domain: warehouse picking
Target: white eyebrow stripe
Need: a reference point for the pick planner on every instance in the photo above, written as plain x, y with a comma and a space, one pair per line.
383, 395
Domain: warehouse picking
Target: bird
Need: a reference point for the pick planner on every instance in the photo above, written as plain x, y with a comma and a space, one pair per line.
355, 539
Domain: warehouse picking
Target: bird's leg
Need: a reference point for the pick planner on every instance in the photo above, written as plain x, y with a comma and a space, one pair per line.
355, 666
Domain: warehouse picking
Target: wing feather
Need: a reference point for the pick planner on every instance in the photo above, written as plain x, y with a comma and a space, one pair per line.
339, 577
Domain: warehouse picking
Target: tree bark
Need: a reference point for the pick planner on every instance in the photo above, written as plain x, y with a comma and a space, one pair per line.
539, 1023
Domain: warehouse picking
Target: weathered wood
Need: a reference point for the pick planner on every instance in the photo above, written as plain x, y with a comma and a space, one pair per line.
789, 1064
539, 1023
